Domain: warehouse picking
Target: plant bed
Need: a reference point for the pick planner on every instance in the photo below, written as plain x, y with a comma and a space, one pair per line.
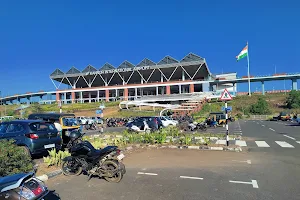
44, 169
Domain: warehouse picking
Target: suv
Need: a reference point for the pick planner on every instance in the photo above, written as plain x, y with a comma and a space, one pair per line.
34, 136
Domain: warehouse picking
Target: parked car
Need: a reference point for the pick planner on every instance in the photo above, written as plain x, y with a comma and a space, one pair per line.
83, 120
34, 136
141, 125
98, 120
156, 120
166, 121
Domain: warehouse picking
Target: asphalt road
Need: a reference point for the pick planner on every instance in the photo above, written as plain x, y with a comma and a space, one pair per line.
259, 172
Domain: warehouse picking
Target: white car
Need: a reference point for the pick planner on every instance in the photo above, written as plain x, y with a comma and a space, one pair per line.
84, 120
166, 121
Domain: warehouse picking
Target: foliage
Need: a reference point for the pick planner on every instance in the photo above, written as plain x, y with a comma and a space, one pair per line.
55, 158
13, 159
261, 107
293, 99
36, 108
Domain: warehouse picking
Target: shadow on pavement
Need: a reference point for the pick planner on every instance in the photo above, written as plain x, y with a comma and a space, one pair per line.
52, 196
292, 125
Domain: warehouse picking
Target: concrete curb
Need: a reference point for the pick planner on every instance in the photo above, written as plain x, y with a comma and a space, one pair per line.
46, 177
225, 148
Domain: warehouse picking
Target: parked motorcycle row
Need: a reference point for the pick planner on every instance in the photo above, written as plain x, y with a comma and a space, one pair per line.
105, 163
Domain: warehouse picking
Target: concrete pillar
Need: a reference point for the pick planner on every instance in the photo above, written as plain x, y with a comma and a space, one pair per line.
141, 92
65, 98
90, 97
81, 97
142, 81
192, 88
125, 94
234, 89
183, 76
57, 96
179, 87
98, 95
135, 93
168, 90
28, 100
73, 97
106, 81
161, 78
163, 90
156, 90
263, 88
107, 95
294, 84
117, 93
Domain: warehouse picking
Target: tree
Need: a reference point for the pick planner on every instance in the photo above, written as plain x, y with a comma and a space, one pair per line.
293, 99
36, 108
261, 107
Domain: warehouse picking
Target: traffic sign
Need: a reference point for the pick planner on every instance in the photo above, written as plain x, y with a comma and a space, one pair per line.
98, 112
225, 95
229, 108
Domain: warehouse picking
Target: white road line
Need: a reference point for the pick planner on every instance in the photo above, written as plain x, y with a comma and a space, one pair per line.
190, 177
263, 125
253, 183
150, 174
298, 142
221, 142
289, 137
271, 129
261, 144
241, 143
247, 161
284, 144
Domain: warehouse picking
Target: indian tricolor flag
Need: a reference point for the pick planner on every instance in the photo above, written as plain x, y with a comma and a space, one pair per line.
243, 53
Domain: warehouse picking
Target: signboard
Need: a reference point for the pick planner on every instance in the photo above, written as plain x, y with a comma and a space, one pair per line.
225, 96
229, 108
98, 112
102, 106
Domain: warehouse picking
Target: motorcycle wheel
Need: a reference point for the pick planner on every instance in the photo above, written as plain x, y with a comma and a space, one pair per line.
69, 172
112, 165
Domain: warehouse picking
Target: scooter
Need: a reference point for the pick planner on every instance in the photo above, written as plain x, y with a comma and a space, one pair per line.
22, 186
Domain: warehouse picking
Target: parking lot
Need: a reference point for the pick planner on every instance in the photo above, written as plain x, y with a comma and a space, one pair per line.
259, 172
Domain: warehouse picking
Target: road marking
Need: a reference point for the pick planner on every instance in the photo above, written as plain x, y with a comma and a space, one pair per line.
246, 161
261, 144
150, 174
271, 129
284, 144
190, 177
263, 125
241, 143
253, 183
298, 142
289, 137
221, 142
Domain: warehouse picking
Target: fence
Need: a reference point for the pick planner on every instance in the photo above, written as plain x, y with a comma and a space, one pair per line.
259, 117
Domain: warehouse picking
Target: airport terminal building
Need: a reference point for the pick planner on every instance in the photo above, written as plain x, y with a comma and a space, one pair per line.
128, 81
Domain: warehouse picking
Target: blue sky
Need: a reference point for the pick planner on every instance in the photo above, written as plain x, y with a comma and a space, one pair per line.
37, 37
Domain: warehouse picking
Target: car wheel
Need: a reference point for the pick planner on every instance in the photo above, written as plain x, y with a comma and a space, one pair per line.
26, 150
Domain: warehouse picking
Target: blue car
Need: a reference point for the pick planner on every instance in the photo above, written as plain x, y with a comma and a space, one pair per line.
34, 136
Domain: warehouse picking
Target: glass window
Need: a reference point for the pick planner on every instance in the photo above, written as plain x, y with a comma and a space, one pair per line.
38, 126
12, 128
3, 128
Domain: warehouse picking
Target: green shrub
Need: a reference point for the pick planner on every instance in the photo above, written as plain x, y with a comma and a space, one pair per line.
55, 158
261, 107
13, 159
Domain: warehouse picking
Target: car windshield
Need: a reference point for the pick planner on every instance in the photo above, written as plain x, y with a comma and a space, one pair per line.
69, 122
38, 126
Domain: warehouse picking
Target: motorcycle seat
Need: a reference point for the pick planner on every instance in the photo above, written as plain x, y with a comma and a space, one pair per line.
104, 151
13, 181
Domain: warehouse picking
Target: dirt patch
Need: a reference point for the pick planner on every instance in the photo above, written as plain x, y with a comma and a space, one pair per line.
44, 169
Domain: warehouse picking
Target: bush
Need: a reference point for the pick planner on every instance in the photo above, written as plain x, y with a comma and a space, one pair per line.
261, 107
13, 159
55, 158
293, 99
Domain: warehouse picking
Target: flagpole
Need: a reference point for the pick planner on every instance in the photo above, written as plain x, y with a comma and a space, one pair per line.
249, 88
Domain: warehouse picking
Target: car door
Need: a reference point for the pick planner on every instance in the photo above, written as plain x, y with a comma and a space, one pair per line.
15, 131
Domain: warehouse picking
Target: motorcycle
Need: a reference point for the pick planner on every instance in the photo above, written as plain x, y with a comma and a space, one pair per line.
198, 126
105, 163
22, 186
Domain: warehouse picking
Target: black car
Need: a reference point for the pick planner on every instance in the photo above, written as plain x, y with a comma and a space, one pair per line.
155, 120
35, 136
